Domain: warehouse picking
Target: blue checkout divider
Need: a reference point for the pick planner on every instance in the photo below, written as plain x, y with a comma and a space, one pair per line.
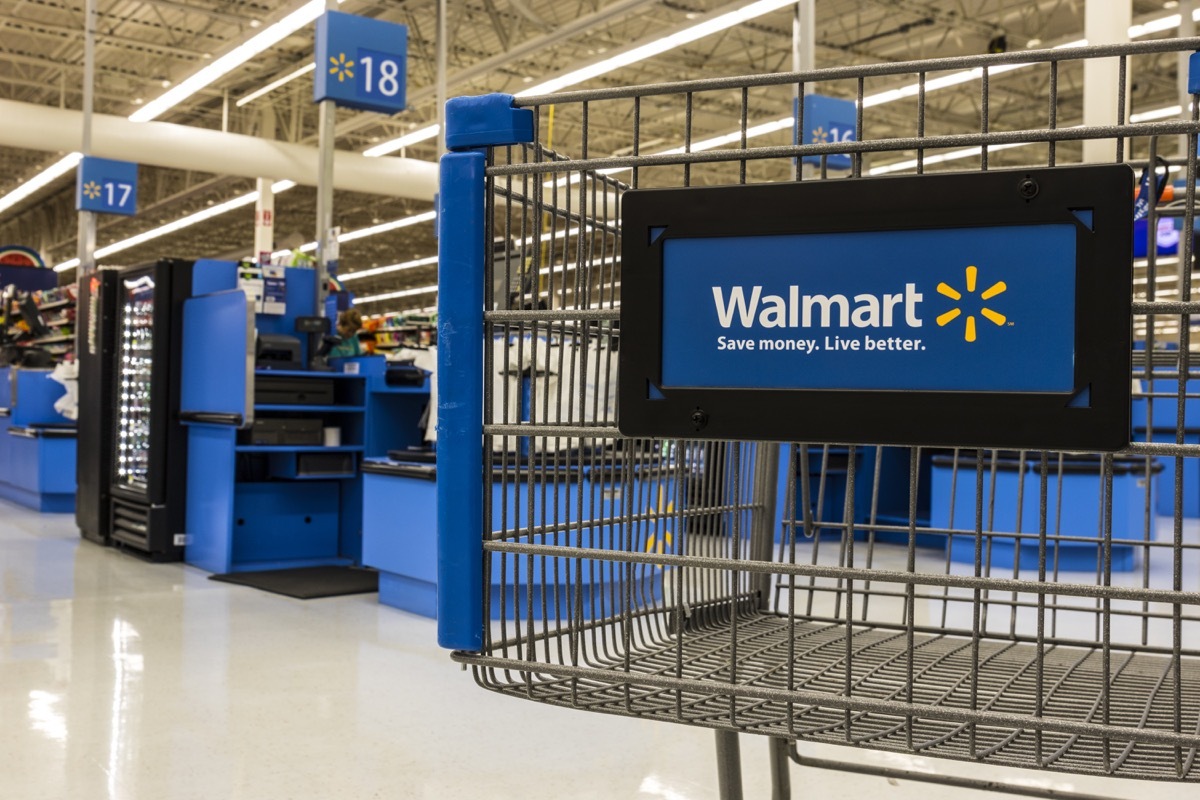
400, 540
1011, 502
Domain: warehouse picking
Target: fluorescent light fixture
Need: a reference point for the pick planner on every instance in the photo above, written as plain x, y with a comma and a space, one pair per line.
953, 155
375, 298
1157, 25
658, 46
219, 67
177, 225
367, 273
42, 179
362, 233
615, 62
1157, 113
384, 227
392, 145
273, 85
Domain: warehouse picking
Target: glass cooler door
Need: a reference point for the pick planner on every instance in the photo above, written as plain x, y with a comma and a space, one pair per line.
135, 362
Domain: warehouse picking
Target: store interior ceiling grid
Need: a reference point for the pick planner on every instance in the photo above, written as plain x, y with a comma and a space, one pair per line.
144, 45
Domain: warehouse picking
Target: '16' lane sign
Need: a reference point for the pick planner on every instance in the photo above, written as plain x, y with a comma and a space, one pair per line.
361, 63
106, 186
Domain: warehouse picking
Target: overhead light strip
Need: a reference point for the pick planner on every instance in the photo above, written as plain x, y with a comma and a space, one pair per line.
260, 42
51, 173
624, 59
368, 273
376, 298
273, 85
177, 225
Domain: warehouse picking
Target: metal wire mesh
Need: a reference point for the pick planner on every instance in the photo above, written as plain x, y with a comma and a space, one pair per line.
963, 604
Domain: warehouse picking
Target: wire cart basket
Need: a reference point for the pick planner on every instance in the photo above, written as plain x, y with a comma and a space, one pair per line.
1031, 609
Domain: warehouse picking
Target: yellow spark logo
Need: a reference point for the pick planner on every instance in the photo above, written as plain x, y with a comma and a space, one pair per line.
999, 287
656, 544
821, 135
341, 66
91, 190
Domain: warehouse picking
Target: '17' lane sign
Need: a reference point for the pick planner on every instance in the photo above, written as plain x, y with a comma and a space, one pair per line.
106, 186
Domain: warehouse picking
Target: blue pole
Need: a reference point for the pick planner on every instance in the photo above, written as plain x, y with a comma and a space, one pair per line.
460, 487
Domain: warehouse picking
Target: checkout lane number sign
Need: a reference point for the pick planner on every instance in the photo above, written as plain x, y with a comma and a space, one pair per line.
361, 63
106, 186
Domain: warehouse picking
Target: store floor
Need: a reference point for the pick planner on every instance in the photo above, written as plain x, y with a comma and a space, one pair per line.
125, 680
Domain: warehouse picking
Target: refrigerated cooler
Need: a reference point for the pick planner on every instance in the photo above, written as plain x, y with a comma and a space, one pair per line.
149, 446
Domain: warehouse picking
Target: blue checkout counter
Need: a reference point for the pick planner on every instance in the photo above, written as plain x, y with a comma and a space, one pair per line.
946, 501
264, 489
1012, 503
400, 537
37, 444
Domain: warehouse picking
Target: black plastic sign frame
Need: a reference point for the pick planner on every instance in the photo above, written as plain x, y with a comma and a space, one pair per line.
1001, 419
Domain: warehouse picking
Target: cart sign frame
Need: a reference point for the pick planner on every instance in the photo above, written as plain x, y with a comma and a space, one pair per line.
964, 310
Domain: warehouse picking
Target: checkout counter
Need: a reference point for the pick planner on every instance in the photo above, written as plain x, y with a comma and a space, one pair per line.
37, 443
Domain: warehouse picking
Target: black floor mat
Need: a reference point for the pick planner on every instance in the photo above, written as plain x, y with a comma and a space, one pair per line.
307, 583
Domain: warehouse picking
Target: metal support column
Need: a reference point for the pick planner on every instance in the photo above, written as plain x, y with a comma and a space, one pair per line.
326, 244
87, 219
804, 54
442, 44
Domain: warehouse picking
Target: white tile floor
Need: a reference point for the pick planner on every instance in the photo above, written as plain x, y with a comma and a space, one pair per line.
125, 680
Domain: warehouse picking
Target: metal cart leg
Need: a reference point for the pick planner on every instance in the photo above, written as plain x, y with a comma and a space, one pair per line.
729, 766
781, 776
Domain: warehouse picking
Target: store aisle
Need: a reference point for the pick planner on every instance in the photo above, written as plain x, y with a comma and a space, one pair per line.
122, 680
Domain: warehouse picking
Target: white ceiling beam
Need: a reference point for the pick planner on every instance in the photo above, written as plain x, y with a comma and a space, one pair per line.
163, 144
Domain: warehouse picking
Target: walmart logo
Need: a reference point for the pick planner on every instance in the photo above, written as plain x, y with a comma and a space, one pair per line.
91, 190
341, 66
997, 288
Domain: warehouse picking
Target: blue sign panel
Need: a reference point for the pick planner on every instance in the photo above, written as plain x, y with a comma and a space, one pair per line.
827, 120
106, 186
361, 63
963, 309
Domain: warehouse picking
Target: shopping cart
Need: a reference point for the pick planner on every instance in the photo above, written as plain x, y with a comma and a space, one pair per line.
784, 590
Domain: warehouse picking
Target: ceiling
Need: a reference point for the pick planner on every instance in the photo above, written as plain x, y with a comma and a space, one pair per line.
145, 46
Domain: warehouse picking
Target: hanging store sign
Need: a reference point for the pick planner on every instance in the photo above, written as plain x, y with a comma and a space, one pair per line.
988, 309
828, 120
361, 63
106, 186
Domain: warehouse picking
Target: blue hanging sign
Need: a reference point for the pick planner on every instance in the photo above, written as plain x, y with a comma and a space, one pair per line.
361, 63
106, 186
827, 120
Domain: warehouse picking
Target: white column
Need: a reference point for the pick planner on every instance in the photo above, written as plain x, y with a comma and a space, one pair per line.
1104, 22
264, 221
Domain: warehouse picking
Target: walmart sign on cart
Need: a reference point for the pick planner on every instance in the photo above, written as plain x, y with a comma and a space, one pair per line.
977, 309
936, 310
